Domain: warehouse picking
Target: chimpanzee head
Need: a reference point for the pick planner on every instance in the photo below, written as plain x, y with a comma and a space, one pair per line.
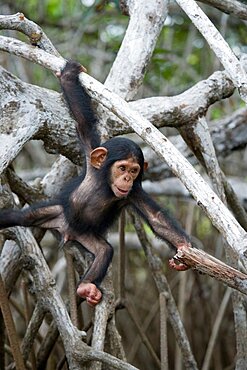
122, 162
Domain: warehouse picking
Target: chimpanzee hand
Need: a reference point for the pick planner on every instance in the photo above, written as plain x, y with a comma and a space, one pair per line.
90, 292
178, 266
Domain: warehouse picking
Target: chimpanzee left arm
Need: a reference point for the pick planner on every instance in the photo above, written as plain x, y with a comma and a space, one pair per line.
162, 224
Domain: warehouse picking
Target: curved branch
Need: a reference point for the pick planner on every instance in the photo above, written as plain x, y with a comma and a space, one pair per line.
235, 7
32, 53
36, 35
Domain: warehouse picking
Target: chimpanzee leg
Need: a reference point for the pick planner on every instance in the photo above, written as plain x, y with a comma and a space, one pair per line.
103, 253
39, 215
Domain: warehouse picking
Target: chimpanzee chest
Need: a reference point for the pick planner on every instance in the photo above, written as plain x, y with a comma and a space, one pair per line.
93, 217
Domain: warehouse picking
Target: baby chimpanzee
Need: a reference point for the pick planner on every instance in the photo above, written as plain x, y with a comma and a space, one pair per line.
90, 203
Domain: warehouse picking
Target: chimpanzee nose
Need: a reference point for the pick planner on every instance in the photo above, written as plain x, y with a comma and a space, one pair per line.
127, 177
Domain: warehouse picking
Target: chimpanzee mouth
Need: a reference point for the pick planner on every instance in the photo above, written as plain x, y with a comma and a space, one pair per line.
122, 191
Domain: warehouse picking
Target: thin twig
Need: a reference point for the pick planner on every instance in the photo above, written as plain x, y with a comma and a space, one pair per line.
144, 338
10, 327
162, 285
32, 330
150, 317
27, 314
71, 288
163, 333
215, 331
121, 260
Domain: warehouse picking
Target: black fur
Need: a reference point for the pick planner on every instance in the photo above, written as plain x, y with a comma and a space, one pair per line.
80, 105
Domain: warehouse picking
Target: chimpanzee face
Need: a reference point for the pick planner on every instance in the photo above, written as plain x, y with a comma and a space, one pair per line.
123, 175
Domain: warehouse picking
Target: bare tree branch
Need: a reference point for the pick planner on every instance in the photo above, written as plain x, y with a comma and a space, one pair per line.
218, 45
204, 263
235, 7
35, 34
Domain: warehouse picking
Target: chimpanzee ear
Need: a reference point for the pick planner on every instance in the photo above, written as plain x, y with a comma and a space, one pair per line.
98, 156
145, 166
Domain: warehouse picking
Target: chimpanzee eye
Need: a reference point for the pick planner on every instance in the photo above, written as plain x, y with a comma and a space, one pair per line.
122, 168
134, 171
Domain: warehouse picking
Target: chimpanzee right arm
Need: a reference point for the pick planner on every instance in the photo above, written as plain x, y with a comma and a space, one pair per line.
79, 103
